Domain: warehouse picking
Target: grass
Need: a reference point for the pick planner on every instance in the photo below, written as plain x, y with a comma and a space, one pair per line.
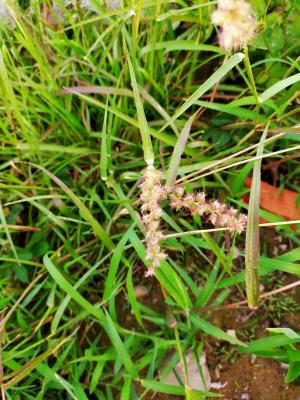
85, 104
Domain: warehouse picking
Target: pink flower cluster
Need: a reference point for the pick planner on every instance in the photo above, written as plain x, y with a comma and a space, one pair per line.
152, 193
217, 213
238, 25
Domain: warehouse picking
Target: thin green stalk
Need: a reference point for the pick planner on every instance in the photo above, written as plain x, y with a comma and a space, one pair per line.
250, 75
201, 231
181, 355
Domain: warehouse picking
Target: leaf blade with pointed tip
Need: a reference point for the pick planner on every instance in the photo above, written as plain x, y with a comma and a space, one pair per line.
278, 87
252, 249
178, 150
213, 79
143, 125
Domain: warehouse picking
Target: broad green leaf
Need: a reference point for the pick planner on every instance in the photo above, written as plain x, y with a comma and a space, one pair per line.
293, 372
293, 355
286, 331
270, 342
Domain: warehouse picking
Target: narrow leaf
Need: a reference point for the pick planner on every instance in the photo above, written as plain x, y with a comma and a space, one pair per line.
143, 125
252, 251
178, 150
212, 330
85, 212
214, 78
103, 318
278, 87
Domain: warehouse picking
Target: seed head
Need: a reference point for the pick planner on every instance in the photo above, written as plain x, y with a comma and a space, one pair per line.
152, 193
217, 213
238, 25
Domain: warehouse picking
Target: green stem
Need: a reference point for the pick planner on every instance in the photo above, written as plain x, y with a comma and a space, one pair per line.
181, 355
201, 231
250, 75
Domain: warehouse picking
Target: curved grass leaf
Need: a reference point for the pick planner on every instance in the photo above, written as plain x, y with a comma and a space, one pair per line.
143, 125
214, 78
178, 150
170, 280
212, 330
278, 87
176, 390
33, 364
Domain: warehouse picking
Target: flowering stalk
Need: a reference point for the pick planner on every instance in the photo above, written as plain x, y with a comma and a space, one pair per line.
238, 25
217, 213
152, 193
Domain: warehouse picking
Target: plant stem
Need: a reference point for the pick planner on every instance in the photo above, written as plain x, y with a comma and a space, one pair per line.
199, 232
250, 75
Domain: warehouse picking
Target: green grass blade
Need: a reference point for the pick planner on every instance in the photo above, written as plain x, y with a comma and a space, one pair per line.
213, 79
278, 87
73, 293
177, 152
120, 348
104, 319
113, 268
103, 151
181, 45
176, 390
33, 364
85, 212
170, 280
143, 125
212, 330
125, 394
252, 246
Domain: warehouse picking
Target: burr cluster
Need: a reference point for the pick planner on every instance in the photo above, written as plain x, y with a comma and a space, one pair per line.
152, 193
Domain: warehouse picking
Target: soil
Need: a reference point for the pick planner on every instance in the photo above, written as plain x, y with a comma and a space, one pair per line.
246, 380
261, 380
